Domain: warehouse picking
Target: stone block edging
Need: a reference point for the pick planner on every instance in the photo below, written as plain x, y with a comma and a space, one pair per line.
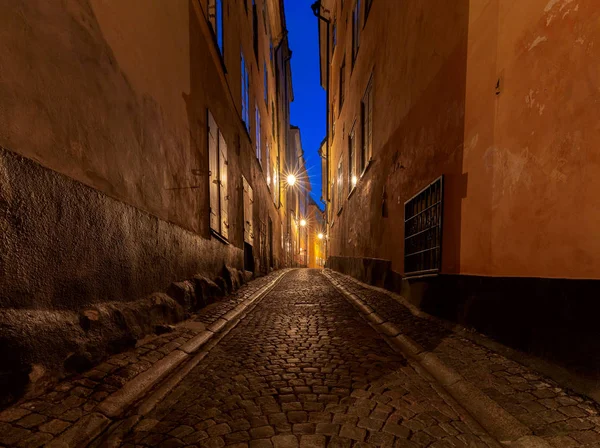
112, 407
489, 414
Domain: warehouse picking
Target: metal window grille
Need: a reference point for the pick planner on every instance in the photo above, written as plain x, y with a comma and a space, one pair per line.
423, 215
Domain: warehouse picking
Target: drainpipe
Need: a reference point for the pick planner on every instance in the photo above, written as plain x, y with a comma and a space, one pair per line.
316, 8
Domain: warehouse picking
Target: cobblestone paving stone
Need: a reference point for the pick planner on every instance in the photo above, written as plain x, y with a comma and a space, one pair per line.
36, 421
303, 369
562, 417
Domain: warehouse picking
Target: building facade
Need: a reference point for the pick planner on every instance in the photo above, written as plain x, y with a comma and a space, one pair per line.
464, 134
316, 236
141, 143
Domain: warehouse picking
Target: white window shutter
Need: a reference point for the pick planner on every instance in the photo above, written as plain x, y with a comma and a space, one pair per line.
213, 171
224, 188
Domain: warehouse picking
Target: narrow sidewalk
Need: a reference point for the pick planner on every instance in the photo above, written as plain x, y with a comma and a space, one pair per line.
39, 420
562, 418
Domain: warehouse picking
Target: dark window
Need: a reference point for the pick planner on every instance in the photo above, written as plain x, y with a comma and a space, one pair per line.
266, 84
366, 113
423, 230
255, 29
334, 36
245, 95
368, 4
342, 84
352, 177
215, 17
355, 30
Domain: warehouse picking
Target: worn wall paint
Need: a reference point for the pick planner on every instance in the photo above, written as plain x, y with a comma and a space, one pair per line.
114, 95
498, 96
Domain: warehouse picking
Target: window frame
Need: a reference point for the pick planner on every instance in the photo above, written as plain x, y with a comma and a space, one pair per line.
366, 112
342, 86
257, 134
352, 171
355, 30
340, 185
218, 160
245, 93
216, 24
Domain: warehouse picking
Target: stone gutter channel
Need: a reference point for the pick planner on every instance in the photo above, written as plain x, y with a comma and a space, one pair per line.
490, 415
107, 419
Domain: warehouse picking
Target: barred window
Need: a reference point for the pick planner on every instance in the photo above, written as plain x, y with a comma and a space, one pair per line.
423, 215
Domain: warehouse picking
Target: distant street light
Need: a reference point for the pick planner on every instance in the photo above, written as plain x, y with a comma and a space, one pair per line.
320, 236
291, 180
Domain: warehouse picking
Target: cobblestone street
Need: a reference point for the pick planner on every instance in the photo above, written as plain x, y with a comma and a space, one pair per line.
305, 369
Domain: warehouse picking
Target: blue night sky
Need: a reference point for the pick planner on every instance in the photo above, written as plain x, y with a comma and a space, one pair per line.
308, 108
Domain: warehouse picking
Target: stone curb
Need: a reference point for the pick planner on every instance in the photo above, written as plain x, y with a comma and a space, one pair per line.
492, 417
93, 425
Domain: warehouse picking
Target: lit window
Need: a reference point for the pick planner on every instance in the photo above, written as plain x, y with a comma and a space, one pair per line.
340, 185
217, 176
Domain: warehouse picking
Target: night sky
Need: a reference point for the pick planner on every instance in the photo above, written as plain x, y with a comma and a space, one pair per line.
308, 108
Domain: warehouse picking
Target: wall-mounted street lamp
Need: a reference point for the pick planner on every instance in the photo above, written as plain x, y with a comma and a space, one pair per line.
291, 180
303, 223
320, 236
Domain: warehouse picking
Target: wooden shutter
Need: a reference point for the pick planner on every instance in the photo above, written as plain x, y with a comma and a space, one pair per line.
370, 121
248, 219
224, 195
213, 173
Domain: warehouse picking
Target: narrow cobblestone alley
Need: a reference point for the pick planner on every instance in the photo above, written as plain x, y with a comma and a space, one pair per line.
305, 369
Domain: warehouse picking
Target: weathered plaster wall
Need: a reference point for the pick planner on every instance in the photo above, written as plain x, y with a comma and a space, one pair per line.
519, 161
417, 56
531, 152
114, 96
64, 245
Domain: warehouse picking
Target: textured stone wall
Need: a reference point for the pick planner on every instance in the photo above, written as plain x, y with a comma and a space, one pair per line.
64, 245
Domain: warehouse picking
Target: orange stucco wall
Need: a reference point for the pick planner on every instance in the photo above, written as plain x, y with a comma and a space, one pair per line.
519, 163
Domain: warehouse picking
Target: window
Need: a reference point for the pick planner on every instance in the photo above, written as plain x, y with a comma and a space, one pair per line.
332, 122
273, 118
217, 175
215, 17
355, 30
248, 208
271, 57
245, 95
334, 36
352, 177
423, 230
368, 4
266, 84
340, 185
268, 161
257, 137
342, 84
255, 29
366, 114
